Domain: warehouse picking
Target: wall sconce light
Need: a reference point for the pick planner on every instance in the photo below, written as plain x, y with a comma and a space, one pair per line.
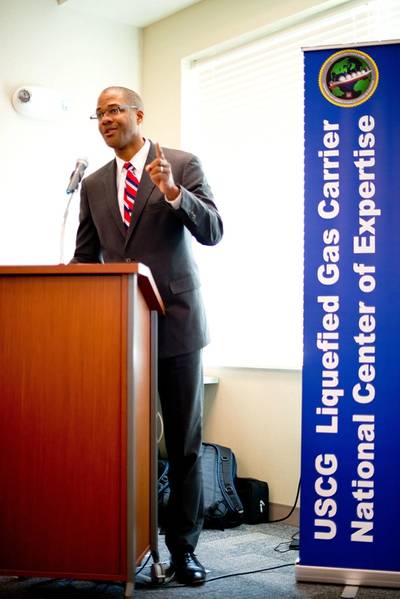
39, 102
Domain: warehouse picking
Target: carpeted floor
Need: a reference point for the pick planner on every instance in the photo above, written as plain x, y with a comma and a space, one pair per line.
248, 562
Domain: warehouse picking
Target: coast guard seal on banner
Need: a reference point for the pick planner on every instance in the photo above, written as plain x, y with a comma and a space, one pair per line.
348, 78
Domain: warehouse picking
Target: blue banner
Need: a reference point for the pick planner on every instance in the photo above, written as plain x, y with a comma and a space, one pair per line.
350, 489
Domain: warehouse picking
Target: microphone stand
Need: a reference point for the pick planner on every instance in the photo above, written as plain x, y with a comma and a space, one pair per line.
63, 226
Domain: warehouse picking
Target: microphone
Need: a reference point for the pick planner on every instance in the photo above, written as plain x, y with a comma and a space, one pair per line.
77, 174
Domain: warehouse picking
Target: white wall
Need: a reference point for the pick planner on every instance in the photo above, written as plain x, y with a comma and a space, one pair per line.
255, 412
43, 44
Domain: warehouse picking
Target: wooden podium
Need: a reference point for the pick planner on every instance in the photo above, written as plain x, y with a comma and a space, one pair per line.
77, 396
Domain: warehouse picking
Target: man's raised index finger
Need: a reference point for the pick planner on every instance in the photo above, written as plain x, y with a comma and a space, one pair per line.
159, 152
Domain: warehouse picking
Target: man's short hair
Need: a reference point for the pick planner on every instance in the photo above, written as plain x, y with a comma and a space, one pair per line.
132, 97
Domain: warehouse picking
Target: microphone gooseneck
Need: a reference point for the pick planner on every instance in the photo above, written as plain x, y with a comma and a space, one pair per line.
77, 174
75, 179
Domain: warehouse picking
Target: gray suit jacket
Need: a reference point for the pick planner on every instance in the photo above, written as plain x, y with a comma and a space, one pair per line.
158, 236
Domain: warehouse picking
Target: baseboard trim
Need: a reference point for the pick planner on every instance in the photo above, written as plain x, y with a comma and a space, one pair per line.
278, 511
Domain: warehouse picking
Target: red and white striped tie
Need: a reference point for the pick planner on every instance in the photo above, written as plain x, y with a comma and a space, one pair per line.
131, 187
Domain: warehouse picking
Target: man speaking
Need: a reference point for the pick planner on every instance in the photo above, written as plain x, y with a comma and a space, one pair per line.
145, 206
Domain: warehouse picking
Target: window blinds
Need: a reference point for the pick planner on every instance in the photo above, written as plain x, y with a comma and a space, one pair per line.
243, 115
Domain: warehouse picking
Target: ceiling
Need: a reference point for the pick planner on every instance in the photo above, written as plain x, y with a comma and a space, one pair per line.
138, 13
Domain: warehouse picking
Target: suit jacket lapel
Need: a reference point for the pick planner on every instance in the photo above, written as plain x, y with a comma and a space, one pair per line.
109, 183
146, 186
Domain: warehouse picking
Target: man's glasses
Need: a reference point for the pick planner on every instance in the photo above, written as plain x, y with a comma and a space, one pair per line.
112, 111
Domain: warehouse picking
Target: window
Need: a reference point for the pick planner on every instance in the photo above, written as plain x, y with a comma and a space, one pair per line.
243, 116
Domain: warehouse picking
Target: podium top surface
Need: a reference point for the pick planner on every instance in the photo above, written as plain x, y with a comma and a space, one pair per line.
145, 278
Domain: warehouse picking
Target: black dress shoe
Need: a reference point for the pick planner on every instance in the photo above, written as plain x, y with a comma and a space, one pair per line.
187, 568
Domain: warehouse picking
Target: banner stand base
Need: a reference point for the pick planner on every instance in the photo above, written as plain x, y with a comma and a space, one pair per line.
347, 576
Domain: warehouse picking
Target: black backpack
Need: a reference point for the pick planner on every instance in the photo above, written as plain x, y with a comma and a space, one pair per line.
222, 505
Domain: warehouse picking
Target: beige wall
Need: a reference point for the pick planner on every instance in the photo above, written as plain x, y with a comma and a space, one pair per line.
43, 44
255, 412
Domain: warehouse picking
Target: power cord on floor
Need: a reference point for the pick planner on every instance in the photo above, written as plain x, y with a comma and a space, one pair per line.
249, 572
295, 542
292, 509
292, 545
233, 575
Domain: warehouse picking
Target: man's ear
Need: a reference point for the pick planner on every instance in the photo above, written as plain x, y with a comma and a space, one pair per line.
139, 116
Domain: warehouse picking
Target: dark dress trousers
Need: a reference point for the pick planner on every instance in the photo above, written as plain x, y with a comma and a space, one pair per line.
161, 237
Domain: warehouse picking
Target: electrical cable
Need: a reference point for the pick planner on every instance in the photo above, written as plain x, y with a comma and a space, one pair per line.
160, 436
233, 575
292, 509
293, 538
287, 545
144, 565
249, 572
292, 545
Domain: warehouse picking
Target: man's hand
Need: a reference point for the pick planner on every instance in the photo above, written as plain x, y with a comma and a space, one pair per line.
161, 174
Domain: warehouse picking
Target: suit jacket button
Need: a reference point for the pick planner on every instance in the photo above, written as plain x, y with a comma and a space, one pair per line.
128, 260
